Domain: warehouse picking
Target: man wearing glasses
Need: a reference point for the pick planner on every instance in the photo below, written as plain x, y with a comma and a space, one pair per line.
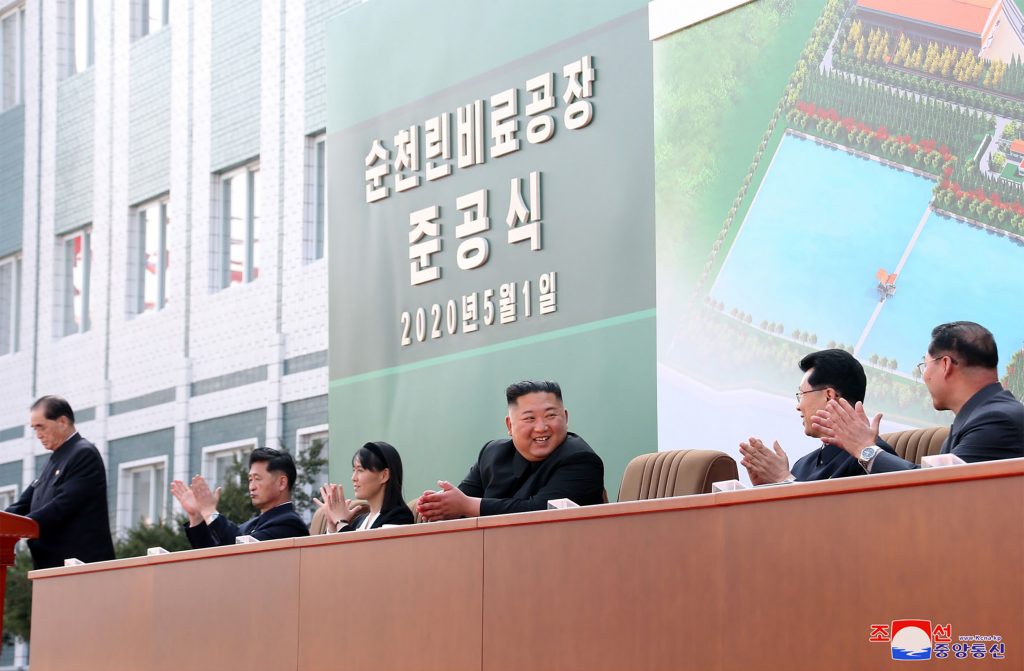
829, 375
960, 371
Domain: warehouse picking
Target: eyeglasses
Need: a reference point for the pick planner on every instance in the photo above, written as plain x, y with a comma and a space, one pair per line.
800, 394
925, 361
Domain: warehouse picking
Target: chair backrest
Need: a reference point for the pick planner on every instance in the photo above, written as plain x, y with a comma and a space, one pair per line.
416, 519
675, 473
318, 525
913, 444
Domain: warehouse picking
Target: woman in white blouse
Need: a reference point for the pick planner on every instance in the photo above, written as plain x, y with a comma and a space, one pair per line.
377, 480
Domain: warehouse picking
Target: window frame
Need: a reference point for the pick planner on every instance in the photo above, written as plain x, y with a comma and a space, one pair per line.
12, 490
126, 494
251, 267
210, 453
17, 11
138, 258
90, 38
315, 233
67, 317
142, 18
304, 437
14, 261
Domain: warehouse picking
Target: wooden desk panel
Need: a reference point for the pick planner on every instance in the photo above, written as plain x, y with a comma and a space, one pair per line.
812, 575
604, 593
232, 612
405, 602
776, 578
97, 621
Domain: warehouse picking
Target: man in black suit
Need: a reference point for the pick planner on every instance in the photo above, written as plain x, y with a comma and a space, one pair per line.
541, 461
961, 373
68, 499
271, 479
829, 374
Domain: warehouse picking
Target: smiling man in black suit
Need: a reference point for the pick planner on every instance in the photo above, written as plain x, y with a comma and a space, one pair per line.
541, 460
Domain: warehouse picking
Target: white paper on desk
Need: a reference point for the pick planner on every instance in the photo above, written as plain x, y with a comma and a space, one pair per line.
937, 460
727, 486
241, 540
562, 504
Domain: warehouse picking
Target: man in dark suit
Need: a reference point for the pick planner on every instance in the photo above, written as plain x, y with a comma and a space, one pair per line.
68, 499
271, 479
961, 373
829, 374
541, 461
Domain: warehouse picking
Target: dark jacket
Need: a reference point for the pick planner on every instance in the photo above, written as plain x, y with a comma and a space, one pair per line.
279, 522
397, 515
69, 502
830, 461
508, 483
989, 426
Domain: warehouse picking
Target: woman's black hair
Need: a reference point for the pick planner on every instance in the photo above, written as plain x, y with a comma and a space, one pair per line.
376, 456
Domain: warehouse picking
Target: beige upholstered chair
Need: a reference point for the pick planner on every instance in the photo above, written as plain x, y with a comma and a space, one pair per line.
675, 473
913, 444
318, 525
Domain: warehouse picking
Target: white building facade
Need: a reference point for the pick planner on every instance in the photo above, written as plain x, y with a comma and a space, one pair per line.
162, 234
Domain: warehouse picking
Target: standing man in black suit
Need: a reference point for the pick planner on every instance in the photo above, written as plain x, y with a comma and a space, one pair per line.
271, 479
69, 497
960, 370
539, 462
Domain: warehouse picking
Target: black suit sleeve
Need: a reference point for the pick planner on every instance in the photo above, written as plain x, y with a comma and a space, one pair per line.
24, 502
989, 436
199, 536
888, 461
83, 476
472, 484
284, 527
579, 478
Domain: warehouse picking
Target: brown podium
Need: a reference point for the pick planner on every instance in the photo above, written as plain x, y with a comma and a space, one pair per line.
799, 576
12, 529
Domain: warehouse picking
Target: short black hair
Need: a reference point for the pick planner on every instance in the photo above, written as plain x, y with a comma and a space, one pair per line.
969, 343
517, 389
278, 461
838, 369
376, 456
54, 407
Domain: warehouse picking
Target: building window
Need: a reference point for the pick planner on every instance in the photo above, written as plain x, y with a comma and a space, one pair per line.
8, 495
218, 460
80, 23
10, 304
77, 265
150, 258
12, 58
316, 198
150, 16
314, 438
240, 219
142, 492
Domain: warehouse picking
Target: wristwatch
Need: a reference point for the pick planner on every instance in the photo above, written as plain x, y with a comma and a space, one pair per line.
213, 516
867, 455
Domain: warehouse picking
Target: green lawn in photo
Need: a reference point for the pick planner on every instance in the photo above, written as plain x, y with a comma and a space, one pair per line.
712, 107
1011, 168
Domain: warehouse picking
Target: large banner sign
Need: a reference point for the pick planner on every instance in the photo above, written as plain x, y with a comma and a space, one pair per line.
512, 194
491, 219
